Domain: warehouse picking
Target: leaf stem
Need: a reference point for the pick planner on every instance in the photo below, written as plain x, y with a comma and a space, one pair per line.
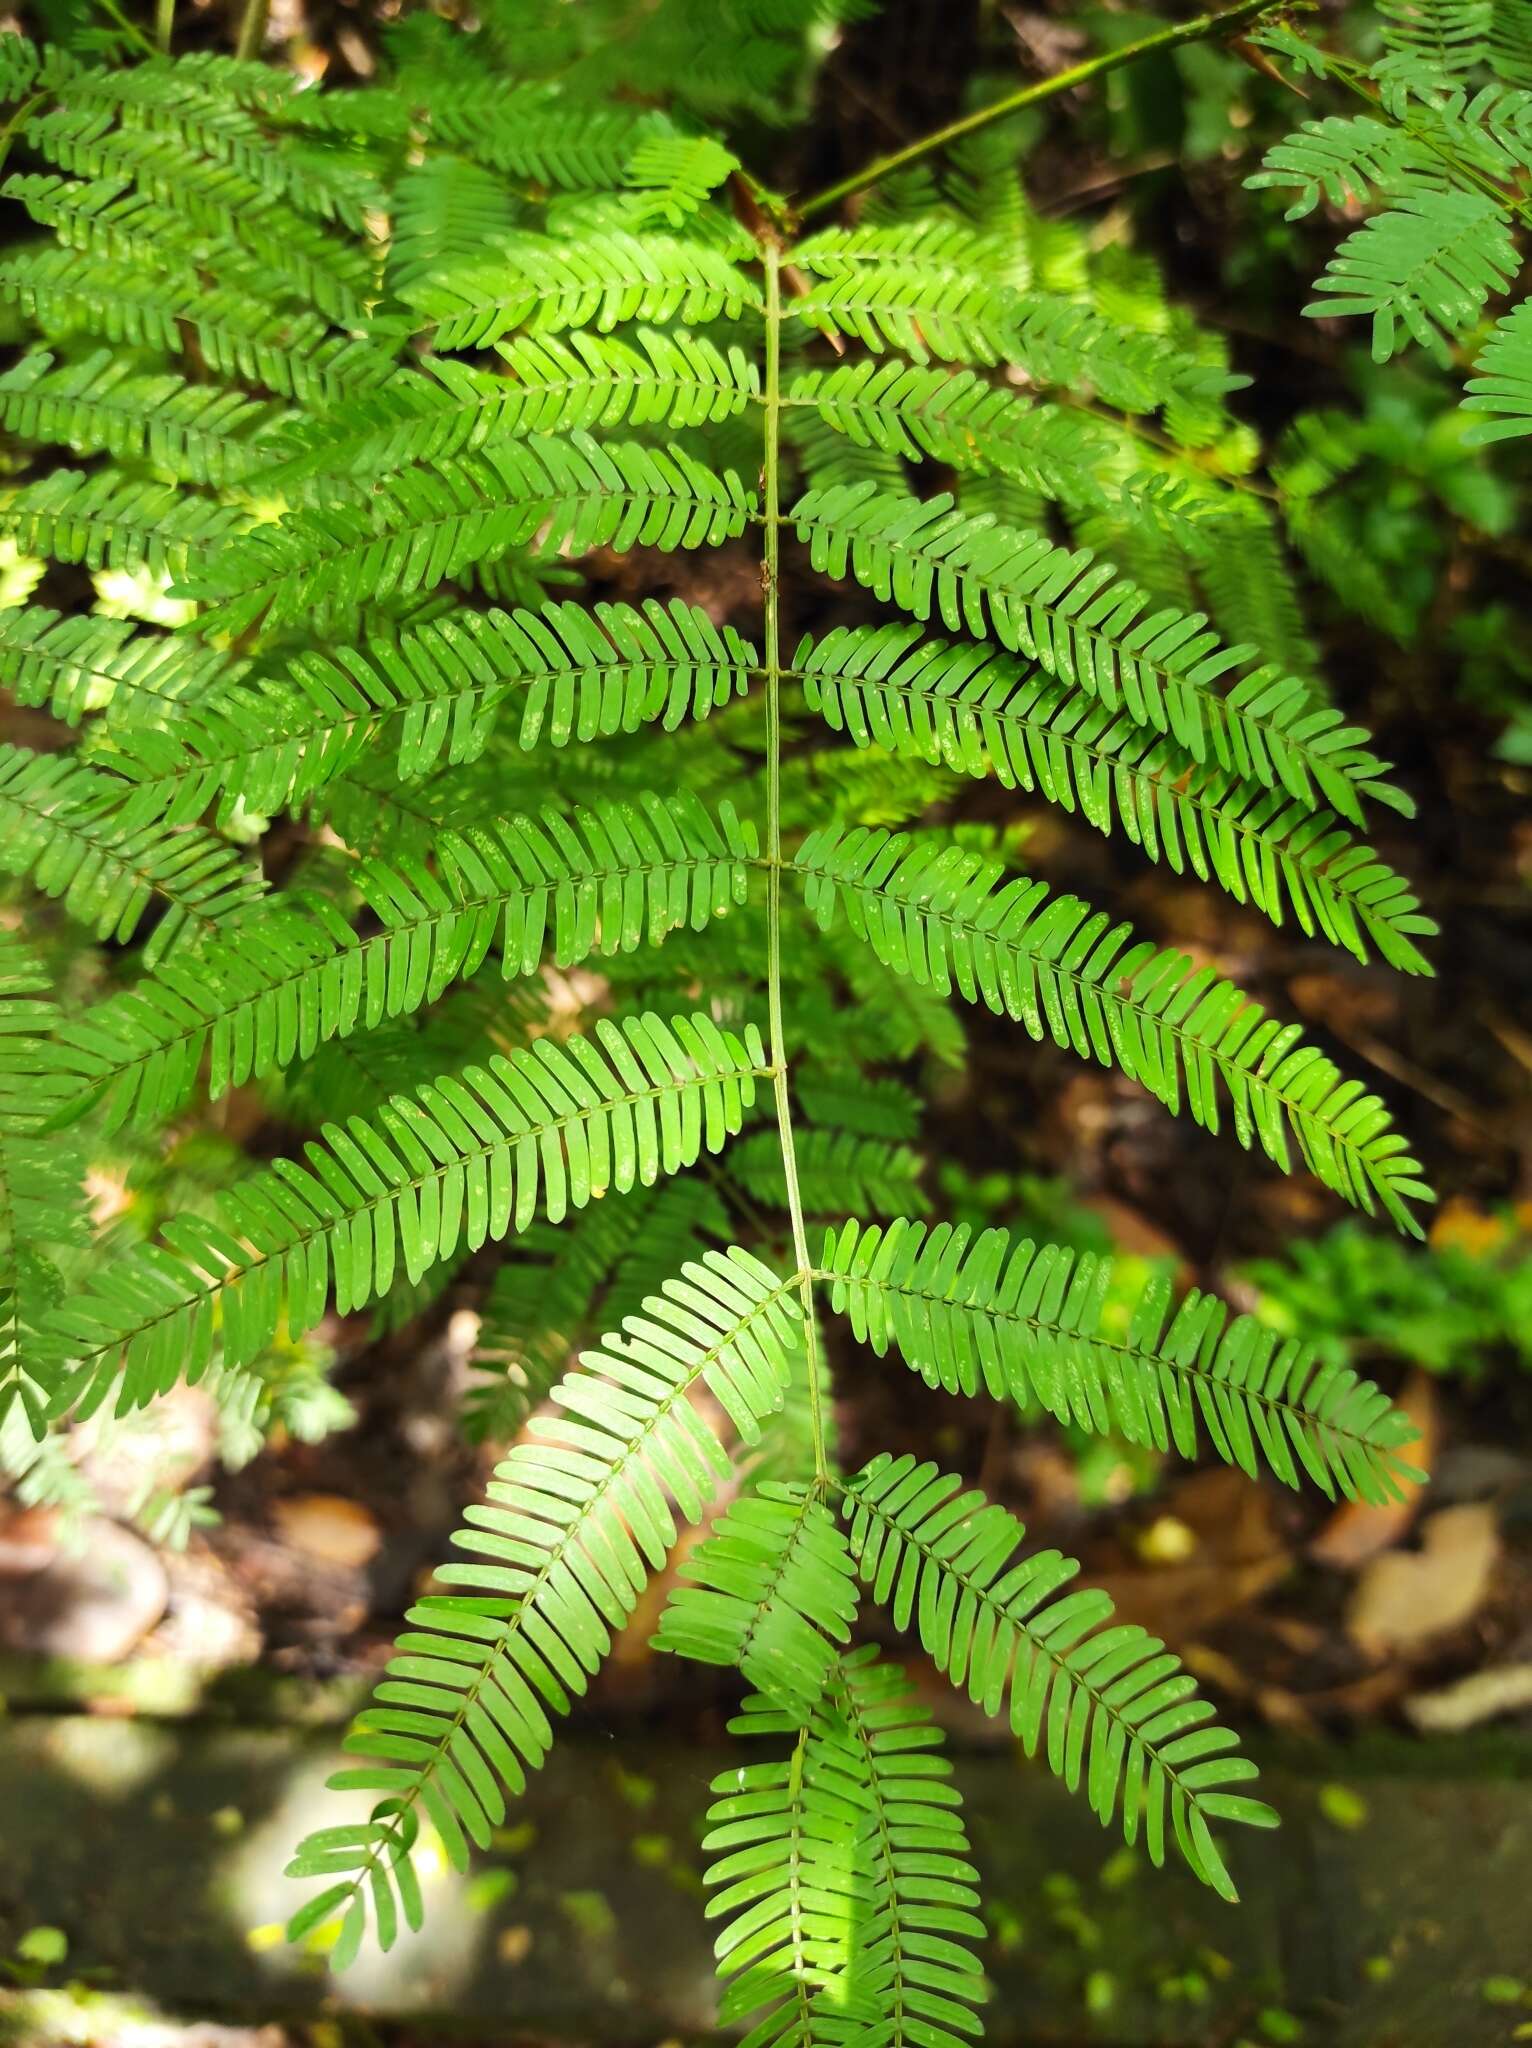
771, 582
1194, 31
129, 28
164, 23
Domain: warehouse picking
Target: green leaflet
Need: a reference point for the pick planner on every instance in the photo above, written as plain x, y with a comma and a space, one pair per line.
446, 408
770, 1593
984, 714
844, 1872
237, 336
1441, 154
1427, 266
41, 1193
78, 663
1503, 383
604, 881
544, 1299
1091, 628
913, 1954
949, 918
104, 522
67, 829
837, 1170
463, 1160
192, 432
574, 1524
435, 520
431, 696
606, 278
1111, 1708
959, 419
930, 289
179, 194
1024, 1322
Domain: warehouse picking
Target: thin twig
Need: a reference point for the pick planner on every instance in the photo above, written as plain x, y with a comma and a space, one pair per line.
1194, 31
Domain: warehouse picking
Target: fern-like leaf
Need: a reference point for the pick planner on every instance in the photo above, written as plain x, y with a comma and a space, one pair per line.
837, 1170
948, 917
574, 1523
463, 1160
1427, 265
770, 1594
430, 697
1092, 628
847, 1874
912, 1968
784, 1842
1025, 1322
1109, 1704
437, 520
543, 1298
108, 521
105, 403
1502, 380
603, 279
64, 828
1451, 36
956, 418
229, 331
605, 881
445, 408
981, 713
41, 1183
919, 289
79, 662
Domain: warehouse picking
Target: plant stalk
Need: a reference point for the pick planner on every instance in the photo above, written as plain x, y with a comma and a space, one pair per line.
252, 30
771, 582
164, 22
1194, 31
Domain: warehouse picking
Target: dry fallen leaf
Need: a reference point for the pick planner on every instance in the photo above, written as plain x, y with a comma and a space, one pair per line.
1503, 1689
329, 1528
1406, 1597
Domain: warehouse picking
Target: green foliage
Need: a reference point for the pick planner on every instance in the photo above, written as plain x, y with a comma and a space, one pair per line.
1444, 150
962, 706
769, 1594
1115, 1706
1026, 1323
571, 1522
600, 881
464, 1159
410, 819
947, 917
1085, 625
1453, 1306
846, 1874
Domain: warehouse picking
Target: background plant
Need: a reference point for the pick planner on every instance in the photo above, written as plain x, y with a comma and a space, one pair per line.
327, 394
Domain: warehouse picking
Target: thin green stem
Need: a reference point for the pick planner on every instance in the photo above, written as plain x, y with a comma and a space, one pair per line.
164, 22
252, 30
1194, 31
130, 29
18, 120
771, 582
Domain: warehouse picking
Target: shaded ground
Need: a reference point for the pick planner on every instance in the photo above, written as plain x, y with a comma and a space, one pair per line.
156, 1848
